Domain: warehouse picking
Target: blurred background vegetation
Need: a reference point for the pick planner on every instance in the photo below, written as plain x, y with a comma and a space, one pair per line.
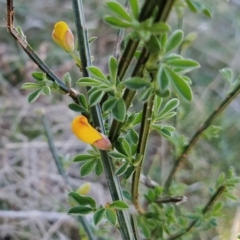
29, 179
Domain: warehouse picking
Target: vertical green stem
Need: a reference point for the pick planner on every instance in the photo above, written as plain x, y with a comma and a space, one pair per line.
112, 180
164, 8
142, 143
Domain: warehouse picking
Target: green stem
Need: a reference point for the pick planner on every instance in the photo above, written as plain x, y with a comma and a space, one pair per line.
164, 8
142, 143
61, 171
112, 180
198, 133
210, 203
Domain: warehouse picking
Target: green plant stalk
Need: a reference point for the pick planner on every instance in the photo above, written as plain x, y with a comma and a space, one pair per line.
146, 12
198, 133
61, 171
128, 96
210, 203
112, 180
142, 143
164, 8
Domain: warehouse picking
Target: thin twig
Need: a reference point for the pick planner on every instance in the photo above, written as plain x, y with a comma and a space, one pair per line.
27, 48
173, 199
112, 180
61, 171
210, 203
198, 133
53, 150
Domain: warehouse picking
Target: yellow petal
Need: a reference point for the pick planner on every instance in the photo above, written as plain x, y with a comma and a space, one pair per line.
63, 36
84, 131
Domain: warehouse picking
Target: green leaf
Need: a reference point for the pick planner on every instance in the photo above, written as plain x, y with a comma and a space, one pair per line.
145, 231
180, 86
153, 45
111, 216
133, 136
120, 148
97, 73
99, 168
159, 27
39, 76
163, 39
157, 104
109, 104
174, 40
113, 68
127, 195
115, 22
87, 167
169, 106
82, 199
138, 118
122, 169
119, 205
231, 196
134, 8
127, 147
207, 12
191, 6
83, 158
128, 172
119, 10
76, 107
82, 101
145, 94
119, 110
46, 90
162, 79
32, 97
80, 210
217, 207
87, 81
117, 155
166, 133
183, 63
227, 73
31, 85
91, 40
95, 97
67, 79
136, 83
98, 215
166, 116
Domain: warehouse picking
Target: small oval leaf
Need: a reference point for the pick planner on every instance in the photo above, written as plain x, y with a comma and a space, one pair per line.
111, 216
80, 210
119, 205
98, 215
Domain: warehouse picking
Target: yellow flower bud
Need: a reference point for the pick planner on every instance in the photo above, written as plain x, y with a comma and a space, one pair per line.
84, 189
86, 133
63, 36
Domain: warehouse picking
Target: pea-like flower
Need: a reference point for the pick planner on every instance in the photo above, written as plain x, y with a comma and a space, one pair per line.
63, 36
86, 133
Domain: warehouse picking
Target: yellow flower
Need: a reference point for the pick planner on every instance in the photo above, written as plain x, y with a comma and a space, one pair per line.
63, 36
84, 189
86, 133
